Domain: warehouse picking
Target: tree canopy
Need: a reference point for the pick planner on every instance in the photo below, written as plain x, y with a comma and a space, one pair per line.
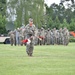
19, 11
24, 9
2, 16
60, 16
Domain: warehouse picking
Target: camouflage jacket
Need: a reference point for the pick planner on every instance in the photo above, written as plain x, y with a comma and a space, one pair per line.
30, 29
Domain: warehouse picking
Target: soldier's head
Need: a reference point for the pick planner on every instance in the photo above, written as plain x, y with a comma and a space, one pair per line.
48, 29
42, 28
30, 21
65, 28
54, 29
60, 29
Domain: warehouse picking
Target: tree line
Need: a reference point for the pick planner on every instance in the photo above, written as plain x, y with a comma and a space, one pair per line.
57, 15
2, 16
19, 11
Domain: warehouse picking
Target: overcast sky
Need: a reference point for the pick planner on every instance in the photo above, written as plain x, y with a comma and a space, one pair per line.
49, 2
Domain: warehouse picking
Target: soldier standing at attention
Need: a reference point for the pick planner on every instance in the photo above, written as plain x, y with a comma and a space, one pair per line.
12, 38
66, 36
30, 33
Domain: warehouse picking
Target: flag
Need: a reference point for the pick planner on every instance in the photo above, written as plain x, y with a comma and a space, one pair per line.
26, 41
41, 37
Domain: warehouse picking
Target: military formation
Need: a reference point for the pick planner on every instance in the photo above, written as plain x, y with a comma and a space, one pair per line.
53, 37
41, 36
38, 36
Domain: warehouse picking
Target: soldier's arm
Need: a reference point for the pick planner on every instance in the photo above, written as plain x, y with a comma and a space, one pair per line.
34, 30
10, 33
26, 28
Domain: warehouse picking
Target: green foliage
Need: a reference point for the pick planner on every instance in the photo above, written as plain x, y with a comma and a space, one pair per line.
50, 23
2, 24
26, 9
56, 23
72, 39
65, 24
72, 25
61, 16
56, 15
2, 7
2, 16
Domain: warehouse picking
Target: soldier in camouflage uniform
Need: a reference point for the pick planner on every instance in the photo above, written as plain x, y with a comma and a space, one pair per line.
30, 32
55, 35
60, 36
36, 37
51, 37
12, 38
48, 36
42, 36
66, 36
21, 35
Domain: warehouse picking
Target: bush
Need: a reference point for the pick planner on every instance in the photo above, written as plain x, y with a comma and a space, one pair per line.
72, 39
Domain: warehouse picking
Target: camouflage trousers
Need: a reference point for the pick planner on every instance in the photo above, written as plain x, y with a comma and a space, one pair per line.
29, 49
12, 41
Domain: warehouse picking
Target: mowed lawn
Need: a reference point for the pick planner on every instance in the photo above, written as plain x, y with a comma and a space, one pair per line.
46, 60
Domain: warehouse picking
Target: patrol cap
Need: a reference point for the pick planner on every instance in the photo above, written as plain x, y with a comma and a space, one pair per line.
30, 19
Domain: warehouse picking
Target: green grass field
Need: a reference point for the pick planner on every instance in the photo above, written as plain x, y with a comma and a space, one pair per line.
46, 60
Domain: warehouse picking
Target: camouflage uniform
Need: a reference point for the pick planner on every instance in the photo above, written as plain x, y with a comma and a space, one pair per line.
30, 31
60, 36
42, 34
12, 38
55, 35
17, 36
36, 37
51, 37
21, 35
48, 36
66, 36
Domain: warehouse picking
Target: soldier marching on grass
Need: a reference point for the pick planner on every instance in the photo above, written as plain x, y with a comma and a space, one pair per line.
30, 33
